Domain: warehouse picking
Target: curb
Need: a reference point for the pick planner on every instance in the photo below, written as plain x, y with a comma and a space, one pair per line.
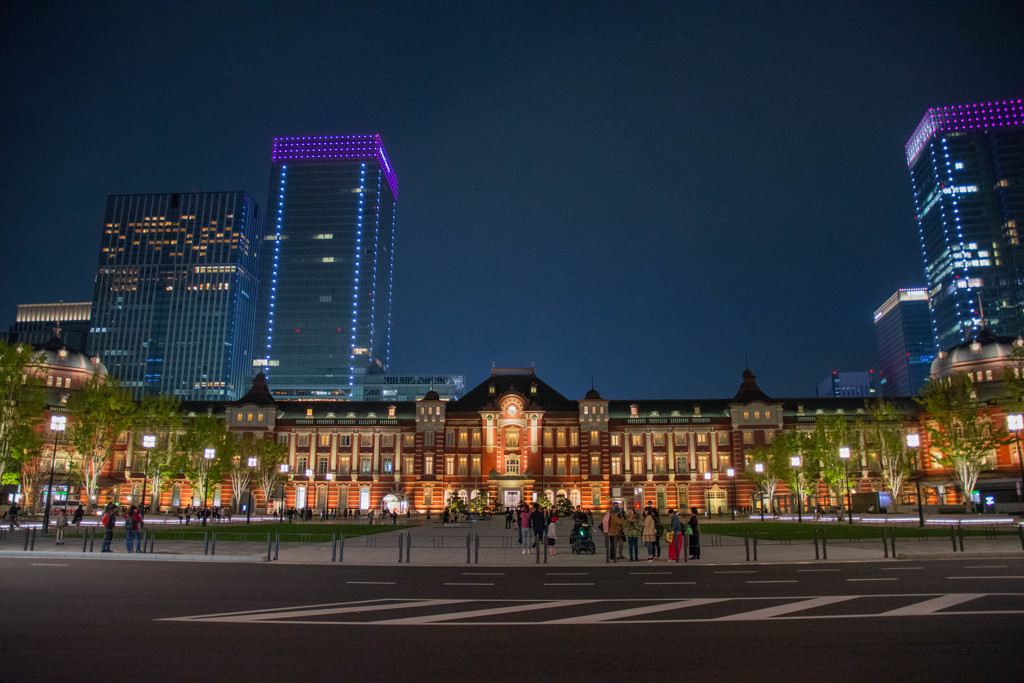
134, 557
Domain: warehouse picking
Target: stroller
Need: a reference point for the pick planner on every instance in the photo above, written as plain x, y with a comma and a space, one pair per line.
582, 541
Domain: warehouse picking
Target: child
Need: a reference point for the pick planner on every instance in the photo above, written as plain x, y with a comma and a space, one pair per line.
553, 537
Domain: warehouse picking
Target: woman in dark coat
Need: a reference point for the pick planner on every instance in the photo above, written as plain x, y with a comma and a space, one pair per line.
694, 525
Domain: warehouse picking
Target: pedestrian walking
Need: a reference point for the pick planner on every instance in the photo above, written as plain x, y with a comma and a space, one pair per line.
109, 520
633, 537
675, 527
694, 527
649, 534
132, 525
62, 525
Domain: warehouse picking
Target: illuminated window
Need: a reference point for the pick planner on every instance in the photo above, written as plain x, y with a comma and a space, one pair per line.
723, 438
616, 464
616, 439
702, 438
637, 439
659, 439
748, 437
560, 438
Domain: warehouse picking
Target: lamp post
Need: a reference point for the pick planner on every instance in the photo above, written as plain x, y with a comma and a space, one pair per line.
283, 469
148, 442
57, 425
251, 462
707, 477
844, 455
795, 462
208, 455
330, 478
1015, 423
759, 468
914, 441
731, 473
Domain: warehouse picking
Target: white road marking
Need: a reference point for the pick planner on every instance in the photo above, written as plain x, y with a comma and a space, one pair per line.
670, 583
898, 569
566, 573
745, 571
985, 577
778, 610
430, 619
650, 573
817, 570
776, 581
483, 573
888, 578
931, 606
569, 584
372, 583
42, 564
634, 611
985, 566
467, 583
271, 616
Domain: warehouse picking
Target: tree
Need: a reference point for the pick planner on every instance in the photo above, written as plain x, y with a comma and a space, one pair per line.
101, 410
799, 477
239, 470
885, 434
1013, 380
269, 457
832, 432
775, 465
22, 402
960, 431
201, 433
158, 416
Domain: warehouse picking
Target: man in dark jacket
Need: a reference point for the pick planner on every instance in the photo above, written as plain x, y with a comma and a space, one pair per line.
109, 520
537, 523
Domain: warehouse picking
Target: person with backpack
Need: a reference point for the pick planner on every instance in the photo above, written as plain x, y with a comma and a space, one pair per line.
108, 521
132, 525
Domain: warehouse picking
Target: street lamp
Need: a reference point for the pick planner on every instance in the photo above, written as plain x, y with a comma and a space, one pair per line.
914, 441
57, 425
795, 462
844, 455
208, 454
248, 503
731, 473
759, 468
1015, 423
148, 442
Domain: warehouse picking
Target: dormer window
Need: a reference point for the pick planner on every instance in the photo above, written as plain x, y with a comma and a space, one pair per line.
309, 412
634, 409
491, 389
696, 411
391, 411
533, 388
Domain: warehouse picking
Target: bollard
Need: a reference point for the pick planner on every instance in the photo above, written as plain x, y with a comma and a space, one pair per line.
408, 547
206, 542
892, 541
26, 540
152, 541
952, 537
606, 551
746, 545
468, 543
92, 539
885, 541
476, 552
277, 544
960, 533
399, 547
824, 545
544, 543
755, 546
33, 545
1020, 530
213, 547
815, 534
537, 544
334, 547
341, 546
85, 539
268, 546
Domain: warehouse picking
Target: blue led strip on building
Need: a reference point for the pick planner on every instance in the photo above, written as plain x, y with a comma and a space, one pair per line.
277, 252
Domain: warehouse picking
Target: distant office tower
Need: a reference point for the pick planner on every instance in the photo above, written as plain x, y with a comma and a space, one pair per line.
174, 307
903, 332
967, 164
849, 385
37, 323
326, 274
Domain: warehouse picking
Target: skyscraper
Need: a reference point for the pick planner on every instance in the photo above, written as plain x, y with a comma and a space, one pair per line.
967, 169
174, 305
326, 273
849, 384
903, 333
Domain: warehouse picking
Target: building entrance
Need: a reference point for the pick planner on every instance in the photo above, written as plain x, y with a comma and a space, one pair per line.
512, 497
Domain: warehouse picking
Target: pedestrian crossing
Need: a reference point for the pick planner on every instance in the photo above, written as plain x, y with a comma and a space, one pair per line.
503, 612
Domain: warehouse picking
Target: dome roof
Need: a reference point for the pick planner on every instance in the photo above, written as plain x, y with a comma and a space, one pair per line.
592, 395
431, 396
57, 354
984, 349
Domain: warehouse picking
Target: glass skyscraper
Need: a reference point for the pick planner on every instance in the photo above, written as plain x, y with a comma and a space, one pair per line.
903, 333
174, 305
326, 273
967, 169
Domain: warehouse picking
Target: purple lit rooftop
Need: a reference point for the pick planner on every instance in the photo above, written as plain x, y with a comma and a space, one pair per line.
980, 116
327, 147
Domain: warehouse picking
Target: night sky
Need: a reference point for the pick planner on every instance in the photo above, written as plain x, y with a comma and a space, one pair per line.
645, 193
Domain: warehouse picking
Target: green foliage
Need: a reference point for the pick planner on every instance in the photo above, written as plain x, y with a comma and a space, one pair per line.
885, 435
457, 506
563, 506
22, 400
269, 457
1013, 381
101, 410
832, 432
201, 433
158, 416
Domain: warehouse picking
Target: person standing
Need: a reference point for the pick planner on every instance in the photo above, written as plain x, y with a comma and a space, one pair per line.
676, 527
132, 525
649, 534
538, 524
633, 537
109, 520
552, 533
694, 525
525, 528
616, 527
77, 519
620, 537
62, 525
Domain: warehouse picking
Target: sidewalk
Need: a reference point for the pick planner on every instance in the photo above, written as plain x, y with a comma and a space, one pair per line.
435, 545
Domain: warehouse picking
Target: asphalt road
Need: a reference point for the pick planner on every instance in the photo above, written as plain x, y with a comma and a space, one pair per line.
847, 621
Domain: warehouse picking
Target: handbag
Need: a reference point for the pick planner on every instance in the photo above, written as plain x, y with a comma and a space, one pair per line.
669, 535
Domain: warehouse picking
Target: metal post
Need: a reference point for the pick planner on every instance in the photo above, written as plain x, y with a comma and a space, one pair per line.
816, 555
476, 552
468, 543
399, 547
885, 541
152, 541
755, 546
952, 537
606, 551
213, 548
1020, 463
408, 547
206, 543
824, 545
268, 546
85, 539
341, 546
892, 540
1020, 529
27, 534
33, 535
746, 545
92, 539
334, 547
544, 543
960, 533
277, 544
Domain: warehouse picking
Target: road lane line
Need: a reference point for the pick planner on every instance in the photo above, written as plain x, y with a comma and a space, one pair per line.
273, 616
898, 569
634, 611
650, 573
817, 570
888, 578
434, 618
467, 583
41, 564
985, 577
566, 573
776, 581
483, 573
745, 571
933, 605
569, 584
789, 608
670, 583
985, 566
372, 583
